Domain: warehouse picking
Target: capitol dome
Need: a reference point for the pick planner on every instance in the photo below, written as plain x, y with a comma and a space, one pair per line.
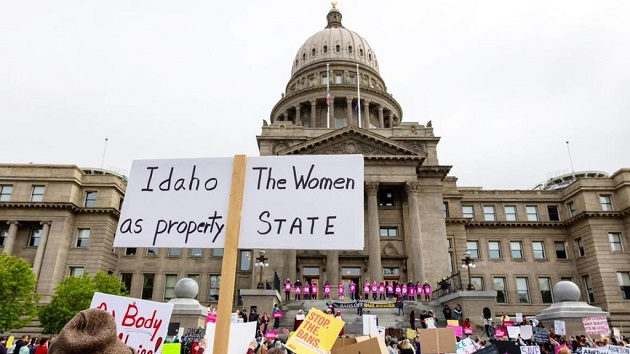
334, 42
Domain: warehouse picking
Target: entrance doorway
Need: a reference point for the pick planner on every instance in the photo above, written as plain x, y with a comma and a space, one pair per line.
351, 274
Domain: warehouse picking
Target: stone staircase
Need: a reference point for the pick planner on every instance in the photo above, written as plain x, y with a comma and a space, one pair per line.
387, 317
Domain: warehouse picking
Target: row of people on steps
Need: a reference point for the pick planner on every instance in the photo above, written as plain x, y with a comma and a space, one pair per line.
384, 290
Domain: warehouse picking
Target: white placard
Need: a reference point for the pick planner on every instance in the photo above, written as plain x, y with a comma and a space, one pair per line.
369, 325
527, 349
141, 324
559, 327
513, 331
289, 202
465, 346
381, 331
241, 334
527, 332
615, 349
519, 317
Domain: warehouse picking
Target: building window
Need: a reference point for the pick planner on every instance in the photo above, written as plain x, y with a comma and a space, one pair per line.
147, 286
391, 272
340, 122
337, 48
311, 271
544, 284
477, 282
126, 279
152, 251
37, 193
352, 78
473, 248
510, 212
468, 211
35, 237
361, 52
561, 250
451, 259
5, 192
571, 208
313, 52
174, 252
196, 252
90, 199
217, 252
76, 271
325, 49
4, 236
83, 238
522, 290
579, 245
615, 241
566, 279
389, 232
246, 261
532, 212
588, 286
445, 209
386, 197
606, 202
324, 79
499, 287
539, 249
350, 49
553, 212
489, 213
169, 286
351, 272
624, 284
338, 79
516, 249
494, 249
130, 251
303, 56
213, 292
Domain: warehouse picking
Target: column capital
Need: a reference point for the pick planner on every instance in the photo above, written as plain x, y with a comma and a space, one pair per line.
371, 188
349, 100
412, 188
313, 102
298, 106
13, 222
380, 108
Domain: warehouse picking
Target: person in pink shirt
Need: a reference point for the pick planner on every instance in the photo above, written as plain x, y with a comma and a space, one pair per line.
390, 290
412, 292
353, 290
397, 290
381, 291
307, 291
419, 291
326, 291
340, 291
427, 291
314, 291
404, 290
374, 290
298, 292
366, 290
287, 289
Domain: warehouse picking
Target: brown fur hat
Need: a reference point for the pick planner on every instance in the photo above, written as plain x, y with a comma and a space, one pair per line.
90, 331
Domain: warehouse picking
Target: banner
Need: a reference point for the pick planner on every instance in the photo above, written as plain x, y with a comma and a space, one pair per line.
183, 203
141, 324
366, 304
596, 325
316, 334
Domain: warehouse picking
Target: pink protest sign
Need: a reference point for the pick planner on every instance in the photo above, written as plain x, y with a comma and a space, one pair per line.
277, 314
271, 334
468, 330
596, 325
500, 332
211, 318
141, 324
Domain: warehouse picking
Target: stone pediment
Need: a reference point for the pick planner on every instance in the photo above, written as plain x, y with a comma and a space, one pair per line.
354, 140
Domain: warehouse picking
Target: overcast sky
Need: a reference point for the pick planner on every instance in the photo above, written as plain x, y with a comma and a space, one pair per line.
505, 83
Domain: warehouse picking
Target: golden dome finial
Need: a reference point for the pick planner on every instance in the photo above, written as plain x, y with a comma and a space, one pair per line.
334, 4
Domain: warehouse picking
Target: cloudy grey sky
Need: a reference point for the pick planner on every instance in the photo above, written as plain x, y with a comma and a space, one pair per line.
505, 83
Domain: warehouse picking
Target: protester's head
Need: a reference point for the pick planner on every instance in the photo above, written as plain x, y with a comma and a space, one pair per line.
90, 331
43, 341
405, 344
564, 350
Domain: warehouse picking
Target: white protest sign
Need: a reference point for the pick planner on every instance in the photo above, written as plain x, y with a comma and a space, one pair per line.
465, 346
586, 350
596, 325
140, 324
241, 334
513, 331
559, 327
369, 325
615, 349
289, 202
519, 317
527, 332
533, 349
381, 331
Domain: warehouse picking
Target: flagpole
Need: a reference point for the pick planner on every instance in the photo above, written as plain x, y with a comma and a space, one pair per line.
328, 95
359, 96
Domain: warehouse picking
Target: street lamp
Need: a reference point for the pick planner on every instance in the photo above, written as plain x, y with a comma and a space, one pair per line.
261, 261
468, 263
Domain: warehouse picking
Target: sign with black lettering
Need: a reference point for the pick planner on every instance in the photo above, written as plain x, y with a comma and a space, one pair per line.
289, 202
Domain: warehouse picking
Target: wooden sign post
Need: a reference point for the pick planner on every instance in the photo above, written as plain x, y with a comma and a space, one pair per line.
230, 255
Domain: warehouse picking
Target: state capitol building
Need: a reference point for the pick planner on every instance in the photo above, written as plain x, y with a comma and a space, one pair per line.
418, 221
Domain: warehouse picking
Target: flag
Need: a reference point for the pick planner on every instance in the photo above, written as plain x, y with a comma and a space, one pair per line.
328, 99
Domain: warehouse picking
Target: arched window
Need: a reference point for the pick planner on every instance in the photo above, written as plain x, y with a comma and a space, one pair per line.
304, 57
370, 57
337, 48
313, 51
325, 49
360, 52
350, 49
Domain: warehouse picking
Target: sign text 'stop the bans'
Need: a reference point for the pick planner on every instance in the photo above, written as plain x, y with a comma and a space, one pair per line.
301, 202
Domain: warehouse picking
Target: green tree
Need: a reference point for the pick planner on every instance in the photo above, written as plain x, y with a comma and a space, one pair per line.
73, 295
18, 293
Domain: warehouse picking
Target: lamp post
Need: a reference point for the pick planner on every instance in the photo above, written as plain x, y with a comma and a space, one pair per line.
468, 263
261, 261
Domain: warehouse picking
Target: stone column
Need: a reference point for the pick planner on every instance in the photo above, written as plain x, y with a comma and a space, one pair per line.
313, 113
331, 122
412, 189
391, 119
39, 256
291, 265
332, 268
349, 110
381, 121
298, 119
374, 238
366, 114
285, 116
13, 227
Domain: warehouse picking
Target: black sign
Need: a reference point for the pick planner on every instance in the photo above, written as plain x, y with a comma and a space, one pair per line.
491, 349
194, 334
173, 328
507, 347
541, 335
